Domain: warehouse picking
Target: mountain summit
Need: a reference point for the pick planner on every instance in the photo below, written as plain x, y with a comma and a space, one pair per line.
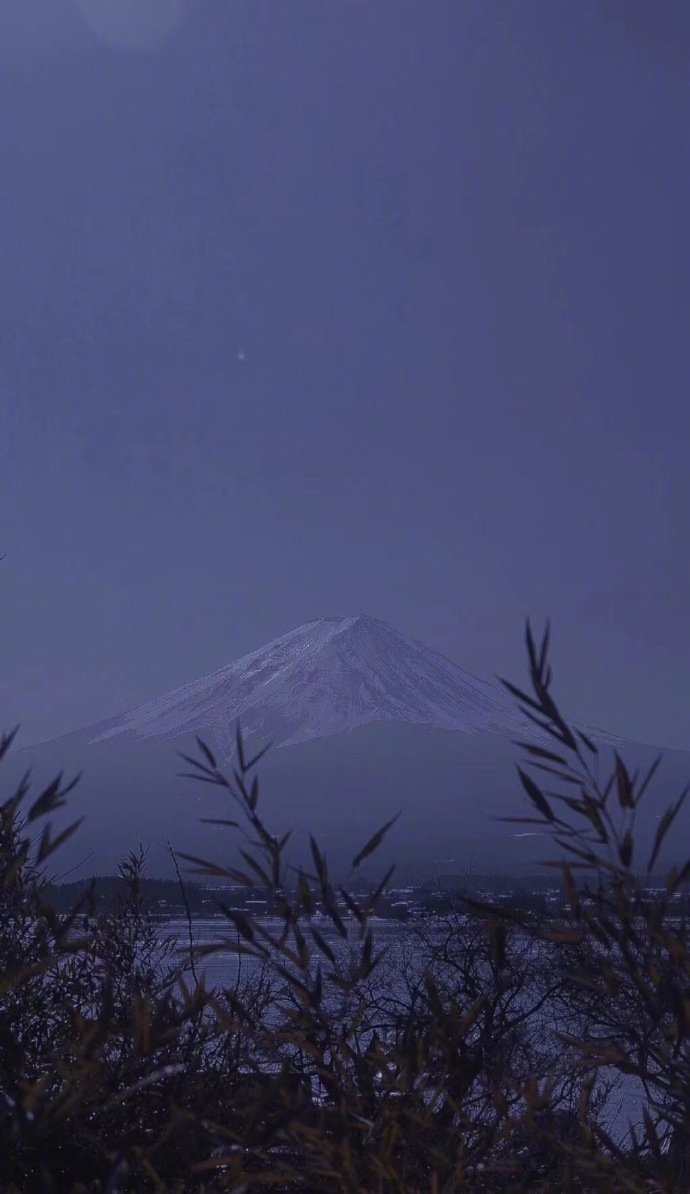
329, 675
425, 739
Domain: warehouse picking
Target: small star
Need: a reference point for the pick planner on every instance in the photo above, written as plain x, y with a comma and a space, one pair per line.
241, 355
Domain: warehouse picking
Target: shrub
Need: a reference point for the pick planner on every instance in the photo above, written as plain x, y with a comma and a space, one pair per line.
333, 1064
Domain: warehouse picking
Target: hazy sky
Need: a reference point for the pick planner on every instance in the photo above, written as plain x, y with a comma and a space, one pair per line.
326, 306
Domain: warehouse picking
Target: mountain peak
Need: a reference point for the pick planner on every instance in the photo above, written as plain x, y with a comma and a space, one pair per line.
342, 624
321, 678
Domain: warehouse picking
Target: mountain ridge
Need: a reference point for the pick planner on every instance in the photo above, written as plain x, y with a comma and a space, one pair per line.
324, 676
373, 724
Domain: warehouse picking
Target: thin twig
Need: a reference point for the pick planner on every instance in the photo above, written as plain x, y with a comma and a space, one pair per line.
189, 914
61, 878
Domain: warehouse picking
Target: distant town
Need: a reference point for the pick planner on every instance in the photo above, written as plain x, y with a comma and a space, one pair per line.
168, 899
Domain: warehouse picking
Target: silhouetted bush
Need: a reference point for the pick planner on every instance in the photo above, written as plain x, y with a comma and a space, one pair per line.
479, 1054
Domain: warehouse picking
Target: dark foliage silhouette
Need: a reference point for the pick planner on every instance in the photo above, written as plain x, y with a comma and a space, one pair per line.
478, 1053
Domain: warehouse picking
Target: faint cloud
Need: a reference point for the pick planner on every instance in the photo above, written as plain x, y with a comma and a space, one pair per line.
132, 24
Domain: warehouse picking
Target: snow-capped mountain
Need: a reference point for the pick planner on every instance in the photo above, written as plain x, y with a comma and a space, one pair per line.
329, 675
370, 723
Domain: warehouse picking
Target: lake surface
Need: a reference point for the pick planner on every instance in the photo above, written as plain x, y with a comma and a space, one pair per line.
222, 969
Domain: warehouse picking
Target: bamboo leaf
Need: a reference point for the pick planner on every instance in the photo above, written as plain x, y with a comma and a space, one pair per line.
591, 747
332, 910
648, 778
543, 653
625, 849
541, 753
381, 887
663, 827
319, 861
7, 740
521, 696
195, 763
322, 944
48, 846
49, 800
536, 795
240, 921
207, 752
264, 750
353, 906
373, 842
624, 787
257, 869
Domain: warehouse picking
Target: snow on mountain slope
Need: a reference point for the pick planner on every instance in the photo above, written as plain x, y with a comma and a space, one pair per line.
329, 675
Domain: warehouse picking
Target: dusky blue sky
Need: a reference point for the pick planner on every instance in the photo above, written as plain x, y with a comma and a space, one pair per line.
328, 306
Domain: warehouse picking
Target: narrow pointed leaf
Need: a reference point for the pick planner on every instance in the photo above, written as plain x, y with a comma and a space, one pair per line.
206, 750
373, 842
536, 795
